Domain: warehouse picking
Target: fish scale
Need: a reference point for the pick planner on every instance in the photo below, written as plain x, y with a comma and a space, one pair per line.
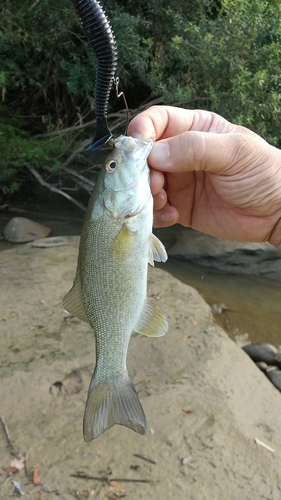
111, 287
109, 290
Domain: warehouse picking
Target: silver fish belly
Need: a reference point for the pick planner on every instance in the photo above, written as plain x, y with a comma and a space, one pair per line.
110, 286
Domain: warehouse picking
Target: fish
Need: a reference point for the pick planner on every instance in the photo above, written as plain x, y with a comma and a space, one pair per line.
110, 286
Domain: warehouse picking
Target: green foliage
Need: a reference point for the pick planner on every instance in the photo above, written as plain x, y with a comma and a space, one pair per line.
228, 62
45, 63
17, 151
222, 55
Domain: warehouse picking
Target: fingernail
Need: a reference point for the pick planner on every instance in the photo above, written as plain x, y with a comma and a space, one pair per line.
162, 219
136, 135
160, 154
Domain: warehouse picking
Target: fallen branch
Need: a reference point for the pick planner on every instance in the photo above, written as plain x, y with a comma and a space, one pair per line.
6, 430
73, 128
118, 479
146, 459
82, 181
75, 153
53, 188
118, 121
120, 117
264, 445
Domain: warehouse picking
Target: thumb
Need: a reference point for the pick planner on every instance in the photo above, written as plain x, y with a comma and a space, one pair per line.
195, 151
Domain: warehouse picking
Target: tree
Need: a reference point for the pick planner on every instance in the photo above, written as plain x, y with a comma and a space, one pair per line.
223, 55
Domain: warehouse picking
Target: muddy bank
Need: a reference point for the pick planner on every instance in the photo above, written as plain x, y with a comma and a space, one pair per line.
205, 400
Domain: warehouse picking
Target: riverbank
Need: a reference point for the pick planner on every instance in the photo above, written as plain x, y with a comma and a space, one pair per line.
240, 293
205, 401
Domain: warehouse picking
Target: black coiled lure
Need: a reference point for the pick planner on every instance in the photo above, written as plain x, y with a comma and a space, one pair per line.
101, 38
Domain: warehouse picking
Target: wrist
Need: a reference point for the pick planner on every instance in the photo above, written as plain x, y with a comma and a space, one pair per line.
275, 235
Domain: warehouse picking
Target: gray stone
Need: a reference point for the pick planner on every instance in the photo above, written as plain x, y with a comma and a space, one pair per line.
262, 351
262, 366
275, 377
22, 230
55, 241
260, 259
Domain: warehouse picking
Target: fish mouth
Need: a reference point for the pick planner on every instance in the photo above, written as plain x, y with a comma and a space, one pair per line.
129, 143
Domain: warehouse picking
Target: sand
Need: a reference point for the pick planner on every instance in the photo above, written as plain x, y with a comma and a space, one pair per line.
206, 402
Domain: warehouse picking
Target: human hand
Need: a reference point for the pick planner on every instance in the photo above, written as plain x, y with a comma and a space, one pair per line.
206, 173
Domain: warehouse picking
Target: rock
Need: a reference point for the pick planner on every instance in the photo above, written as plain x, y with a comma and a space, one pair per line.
262, 366
56, 241
22, 230
242, 339
263, 351
218, 308
267, 359
261, 259
275, 377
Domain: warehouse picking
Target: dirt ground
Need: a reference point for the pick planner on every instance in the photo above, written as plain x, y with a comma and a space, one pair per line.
205, 401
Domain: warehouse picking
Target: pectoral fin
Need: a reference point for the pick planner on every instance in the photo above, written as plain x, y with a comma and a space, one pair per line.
156, 250
152, 322
73, 301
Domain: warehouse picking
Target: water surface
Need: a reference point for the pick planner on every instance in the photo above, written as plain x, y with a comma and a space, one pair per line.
254, 303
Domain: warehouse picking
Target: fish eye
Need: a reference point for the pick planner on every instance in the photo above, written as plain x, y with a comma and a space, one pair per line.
111, 165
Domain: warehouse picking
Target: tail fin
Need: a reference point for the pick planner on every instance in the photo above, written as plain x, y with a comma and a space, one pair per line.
110, 403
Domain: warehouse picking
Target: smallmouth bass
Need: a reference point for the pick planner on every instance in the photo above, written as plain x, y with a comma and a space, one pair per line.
110, 286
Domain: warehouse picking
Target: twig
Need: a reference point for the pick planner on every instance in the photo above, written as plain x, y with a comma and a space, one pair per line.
26, 462
64, 130
84, 180
261, 443
79, 184
108, 480
6, 430
75, 153
119, 116
144, 458
54, 189
80, 180
8, 478
34, 4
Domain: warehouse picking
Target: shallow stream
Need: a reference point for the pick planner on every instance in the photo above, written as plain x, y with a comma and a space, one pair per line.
253, 303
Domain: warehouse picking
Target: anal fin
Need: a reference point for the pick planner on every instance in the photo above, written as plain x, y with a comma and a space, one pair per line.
73, 301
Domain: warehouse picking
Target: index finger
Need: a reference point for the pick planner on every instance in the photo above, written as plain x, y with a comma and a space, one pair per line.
160, 122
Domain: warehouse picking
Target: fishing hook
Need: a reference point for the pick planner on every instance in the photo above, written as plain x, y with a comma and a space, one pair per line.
121, 94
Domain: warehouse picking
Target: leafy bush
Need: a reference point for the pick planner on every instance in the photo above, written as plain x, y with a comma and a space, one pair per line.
17, 151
